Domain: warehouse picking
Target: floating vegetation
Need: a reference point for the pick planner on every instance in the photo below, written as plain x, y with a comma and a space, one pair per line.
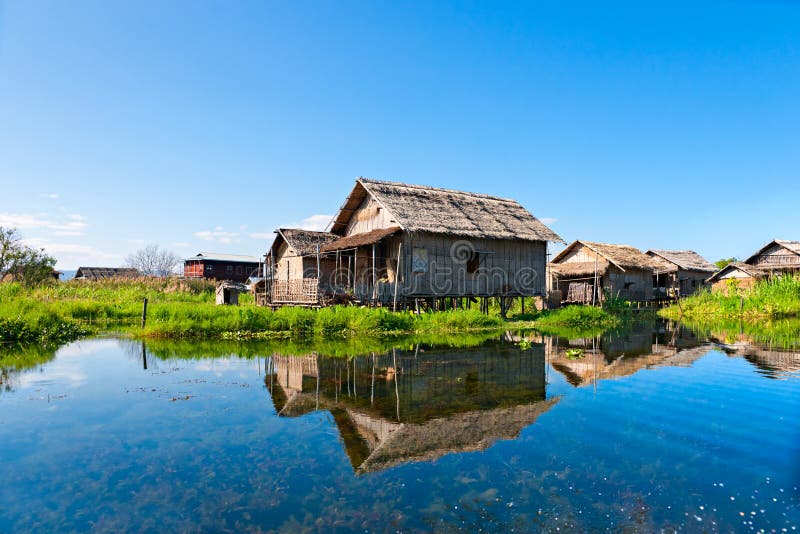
574, 354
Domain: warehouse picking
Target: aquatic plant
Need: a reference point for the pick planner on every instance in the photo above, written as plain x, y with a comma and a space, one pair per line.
774, 298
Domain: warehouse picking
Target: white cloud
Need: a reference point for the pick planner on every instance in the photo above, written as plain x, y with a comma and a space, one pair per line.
317, 223
52, 196
548, 220
262, 235
218, 235
72, 255
72, 223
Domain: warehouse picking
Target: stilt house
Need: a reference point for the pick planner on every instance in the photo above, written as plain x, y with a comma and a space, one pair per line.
777, 257
679, 273
400, 243
586, 273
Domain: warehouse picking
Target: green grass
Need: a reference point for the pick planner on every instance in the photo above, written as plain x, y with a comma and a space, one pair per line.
773, 299
180, 309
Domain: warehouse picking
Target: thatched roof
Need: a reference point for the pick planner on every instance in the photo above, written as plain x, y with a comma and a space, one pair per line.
749, 270
99, 273
419, 208
790, 246
579, 268
623, 256
463, 432
304, 242
687, 260
360, 240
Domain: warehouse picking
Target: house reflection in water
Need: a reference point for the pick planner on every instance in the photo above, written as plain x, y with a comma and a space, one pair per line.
771, 360
614, 355
418, 404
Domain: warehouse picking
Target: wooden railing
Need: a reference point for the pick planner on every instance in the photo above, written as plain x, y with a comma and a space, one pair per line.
299, 291
769, 260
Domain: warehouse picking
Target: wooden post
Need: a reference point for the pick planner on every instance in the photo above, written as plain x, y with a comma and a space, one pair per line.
523, 305
374, 276
144, 312
397, 274
319, 277
355, 271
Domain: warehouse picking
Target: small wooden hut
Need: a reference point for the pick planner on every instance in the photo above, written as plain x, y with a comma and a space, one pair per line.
295, 264
678, 273
399, 243
587, 272
736, 274
227, 293
778, 257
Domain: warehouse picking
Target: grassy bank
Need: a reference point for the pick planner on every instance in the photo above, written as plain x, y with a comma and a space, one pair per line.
180, 309
778, 298
177, 309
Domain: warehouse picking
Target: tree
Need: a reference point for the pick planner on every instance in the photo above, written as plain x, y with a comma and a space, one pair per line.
153, 261
724, 262
25, 264
10, 243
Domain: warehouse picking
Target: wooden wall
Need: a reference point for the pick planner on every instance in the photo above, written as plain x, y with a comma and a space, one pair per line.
632, 284
287, 266
777, 256
369, 216
505, 268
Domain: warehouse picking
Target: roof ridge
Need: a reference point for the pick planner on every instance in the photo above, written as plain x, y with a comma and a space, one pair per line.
366, 180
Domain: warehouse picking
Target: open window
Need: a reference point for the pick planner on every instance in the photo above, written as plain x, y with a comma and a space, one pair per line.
474, 262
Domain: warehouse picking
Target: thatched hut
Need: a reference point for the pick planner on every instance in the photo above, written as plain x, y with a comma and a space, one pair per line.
678, 273
396, 242
382, 404
295, 264
737, 275
587, 272
778, 257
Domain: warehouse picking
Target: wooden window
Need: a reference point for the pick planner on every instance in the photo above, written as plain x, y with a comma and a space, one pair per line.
209, 268
239, 269
230, 269
419, 260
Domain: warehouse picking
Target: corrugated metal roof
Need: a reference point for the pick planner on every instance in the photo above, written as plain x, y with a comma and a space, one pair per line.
213, 256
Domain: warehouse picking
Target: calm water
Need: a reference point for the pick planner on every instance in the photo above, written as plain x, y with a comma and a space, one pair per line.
642, 431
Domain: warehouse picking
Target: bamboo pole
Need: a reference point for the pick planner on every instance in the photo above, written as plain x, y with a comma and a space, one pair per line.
397, 274
374, 276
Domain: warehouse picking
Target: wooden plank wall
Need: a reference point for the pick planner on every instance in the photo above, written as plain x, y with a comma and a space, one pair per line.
504, 264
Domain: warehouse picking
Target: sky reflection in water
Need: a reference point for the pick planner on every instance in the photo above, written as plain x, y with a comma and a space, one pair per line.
645, 430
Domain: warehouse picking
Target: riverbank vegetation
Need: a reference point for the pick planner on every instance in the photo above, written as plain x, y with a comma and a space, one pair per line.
59, 312
770, 299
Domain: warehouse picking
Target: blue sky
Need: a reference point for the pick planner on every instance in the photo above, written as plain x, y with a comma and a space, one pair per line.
203, 126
